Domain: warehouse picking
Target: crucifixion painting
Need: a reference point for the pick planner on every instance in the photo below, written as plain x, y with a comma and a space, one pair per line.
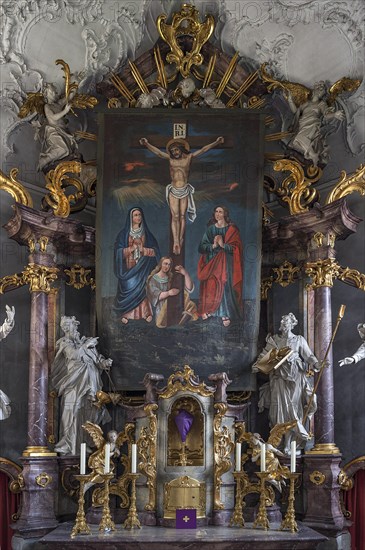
179, 193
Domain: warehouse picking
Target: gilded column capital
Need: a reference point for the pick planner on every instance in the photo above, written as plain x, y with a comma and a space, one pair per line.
322, 272
39, 277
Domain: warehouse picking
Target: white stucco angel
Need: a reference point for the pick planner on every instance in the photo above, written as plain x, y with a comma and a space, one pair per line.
312, 110
76, 376
359, 353
51, 130
288, 391
5, 329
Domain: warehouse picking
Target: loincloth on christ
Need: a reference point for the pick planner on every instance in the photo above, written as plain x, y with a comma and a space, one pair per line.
180, 193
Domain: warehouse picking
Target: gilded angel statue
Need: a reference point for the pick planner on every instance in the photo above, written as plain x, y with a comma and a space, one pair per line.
96, 460
312, 109
277, 472
51, 130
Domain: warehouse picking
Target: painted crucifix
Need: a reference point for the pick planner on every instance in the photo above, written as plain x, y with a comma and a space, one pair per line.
179, 193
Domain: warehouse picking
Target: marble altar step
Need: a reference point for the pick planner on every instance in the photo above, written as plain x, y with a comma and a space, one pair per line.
206, 538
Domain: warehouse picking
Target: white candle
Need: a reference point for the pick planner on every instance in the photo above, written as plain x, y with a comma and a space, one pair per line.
107, 459
134, 459
83, 459
238, 457
263, 458
293, 456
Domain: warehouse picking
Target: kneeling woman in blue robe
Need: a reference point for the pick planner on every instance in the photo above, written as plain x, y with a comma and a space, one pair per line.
136, 254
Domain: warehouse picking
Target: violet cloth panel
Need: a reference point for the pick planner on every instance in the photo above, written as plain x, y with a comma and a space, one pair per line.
184, 421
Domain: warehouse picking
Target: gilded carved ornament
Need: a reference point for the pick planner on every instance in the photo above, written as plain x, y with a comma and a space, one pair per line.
322, 272
354, 183
147, 448
11, 281
185, 22
39, 277
185, 380
352, 276
317, 478
285, 273
42, 244
345, 482
223, 447
43, 479
12, 186
266, 285
79, 277
296, 188
57, 180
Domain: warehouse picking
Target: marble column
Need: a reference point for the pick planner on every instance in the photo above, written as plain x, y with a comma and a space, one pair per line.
324, 420
40, 469
39, 273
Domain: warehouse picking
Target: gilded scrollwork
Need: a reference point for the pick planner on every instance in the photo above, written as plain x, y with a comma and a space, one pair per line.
296, 188
185, 22
223, 447
322, 272
185, 380
285, 274
353, 276
147, 444
57, 180
17, 190
354, 183
79, 277
39, 277
11, 281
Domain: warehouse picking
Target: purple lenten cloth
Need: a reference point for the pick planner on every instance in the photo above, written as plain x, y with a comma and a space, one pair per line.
183, 421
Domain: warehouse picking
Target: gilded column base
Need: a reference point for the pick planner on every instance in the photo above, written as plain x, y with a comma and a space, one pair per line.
324, 449
38, 451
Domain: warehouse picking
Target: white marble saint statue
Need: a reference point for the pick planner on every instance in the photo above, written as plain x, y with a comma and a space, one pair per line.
5, 328
76, 376
309, 118
288, 391
359, 353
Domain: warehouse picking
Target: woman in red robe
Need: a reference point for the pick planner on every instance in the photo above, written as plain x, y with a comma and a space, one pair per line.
220, 269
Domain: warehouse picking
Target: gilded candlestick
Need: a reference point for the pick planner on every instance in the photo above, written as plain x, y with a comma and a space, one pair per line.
132, 521
81, 527
261, 518
289, 520
237, 516
106, 523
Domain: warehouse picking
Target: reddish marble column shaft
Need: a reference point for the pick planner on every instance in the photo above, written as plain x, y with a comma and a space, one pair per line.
38, 371
324, 417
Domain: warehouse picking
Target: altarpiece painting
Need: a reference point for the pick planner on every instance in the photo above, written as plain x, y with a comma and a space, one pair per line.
179, 242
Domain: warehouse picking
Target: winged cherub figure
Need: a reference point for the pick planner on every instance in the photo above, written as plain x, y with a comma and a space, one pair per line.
312, 109
56, 141
277, 473
97, 458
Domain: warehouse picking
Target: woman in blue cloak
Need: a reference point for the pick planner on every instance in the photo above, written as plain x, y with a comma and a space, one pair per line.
136, 253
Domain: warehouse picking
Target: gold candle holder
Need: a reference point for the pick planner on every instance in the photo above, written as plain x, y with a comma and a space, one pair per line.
81, 527
289, 520
261, 518
237, 516
132, 521
106, 523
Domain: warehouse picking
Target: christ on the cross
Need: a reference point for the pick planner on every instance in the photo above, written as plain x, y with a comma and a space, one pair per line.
179, 194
